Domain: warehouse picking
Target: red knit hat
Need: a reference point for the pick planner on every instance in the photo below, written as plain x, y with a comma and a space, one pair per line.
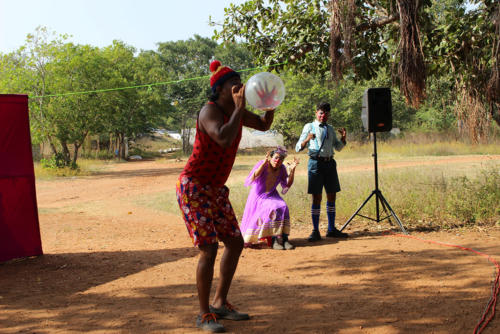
220, 74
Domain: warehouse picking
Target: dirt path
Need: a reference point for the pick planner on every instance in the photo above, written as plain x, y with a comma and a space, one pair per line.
111, 266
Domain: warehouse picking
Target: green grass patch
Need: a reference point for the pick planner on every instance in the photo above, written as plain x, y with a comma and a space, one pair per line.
165, 201
439, 195
86, 167
444, 196
417, 147
429, 195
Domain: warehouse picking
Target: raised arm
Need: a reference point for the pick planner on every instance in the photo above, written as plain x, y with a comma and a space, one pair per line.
261, 168
339, 144
262, 123
305, 137
291, 174
211, 119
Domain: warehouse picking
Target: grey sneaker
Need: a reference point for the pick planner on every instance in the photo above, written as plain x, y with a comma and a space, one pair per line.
288, 245
277, 244
228, 312
208, 322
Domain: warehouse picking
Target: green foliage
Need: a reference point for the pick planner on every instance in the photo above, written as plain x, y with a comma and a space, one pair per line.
426, 196
459, 46
303, 92
48, 65
57, 161
298, 32
98, 155
475, 200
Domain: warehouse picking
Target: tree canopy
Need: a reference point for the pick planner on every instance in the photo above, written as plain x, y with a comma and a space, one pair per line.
80, 90
355, 39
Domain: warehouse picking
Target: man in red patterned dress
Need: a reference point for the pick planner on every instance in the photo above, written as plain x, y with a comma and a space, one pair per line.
203, 196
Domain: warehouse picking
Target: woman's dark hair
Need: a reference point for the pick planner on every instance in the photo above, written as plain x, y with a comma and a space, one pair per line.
273, 152
325, 106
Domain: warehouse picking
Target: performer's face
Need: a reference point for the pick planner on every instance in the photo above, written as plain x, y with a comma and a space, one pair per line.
276, 160
225, 90
322, 116
227, 86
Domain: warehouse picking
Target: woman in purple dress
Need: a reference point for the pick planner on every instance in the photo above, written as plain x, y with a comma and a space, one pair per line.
266, 215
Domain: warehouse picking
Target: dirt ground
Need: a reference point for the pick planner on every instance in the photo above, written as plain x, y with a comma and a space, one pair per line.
112, 266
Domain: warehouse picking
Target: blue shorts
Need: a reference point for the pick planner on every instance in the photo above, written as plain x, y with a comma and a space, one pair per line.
322, 174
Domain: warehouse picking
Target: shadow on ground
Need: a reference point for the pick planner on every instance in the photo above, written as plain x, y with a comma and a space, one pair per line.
374, 290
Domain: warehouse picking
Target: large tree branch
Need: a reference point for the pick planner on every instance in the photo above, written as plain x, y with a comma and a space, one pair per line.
301, 52
377, 23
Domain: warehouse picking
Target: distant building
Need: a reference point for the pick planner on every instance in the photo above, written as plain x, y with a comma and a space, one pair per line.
163, 132
174, 134
251, 139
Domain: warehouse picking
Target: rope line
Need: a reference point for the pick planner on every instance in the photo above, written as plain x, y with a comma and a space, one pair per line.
491, 306
150, 85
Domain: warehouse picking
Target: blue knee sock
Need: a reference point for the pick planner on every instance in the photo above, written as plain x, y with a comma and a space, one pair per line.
315, 211
330, 212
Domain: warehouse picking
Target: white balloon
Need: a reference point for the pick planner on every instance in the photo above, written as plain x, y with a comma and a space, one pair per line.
265, 91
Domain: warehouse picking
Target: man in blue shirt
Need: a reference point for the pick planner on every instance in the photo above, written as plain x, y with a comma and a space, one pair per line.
321, 140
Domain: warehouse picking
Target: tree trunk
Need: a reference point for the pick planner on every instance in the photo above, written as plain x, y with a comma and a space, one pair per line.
66, 154
52, 146
116, 146
98, 148
122, 151
110, 148
75, 153
186, 136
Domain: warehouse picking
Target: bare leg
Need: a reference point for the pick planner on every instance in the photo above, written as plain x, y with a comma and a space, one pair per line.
205, 275
229, 261
317, 198
331, 197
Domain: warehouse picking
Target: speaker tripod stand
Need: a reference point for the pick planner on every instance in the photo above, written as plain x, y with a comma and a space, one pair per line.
379, 198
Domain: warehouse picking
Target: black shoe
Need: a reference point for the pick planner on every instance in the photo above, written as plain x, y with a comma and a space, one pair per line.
315, 236
336, 234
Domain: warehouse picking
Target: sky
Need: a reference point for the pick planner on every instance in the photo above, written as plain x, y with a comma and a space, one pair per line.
139, 23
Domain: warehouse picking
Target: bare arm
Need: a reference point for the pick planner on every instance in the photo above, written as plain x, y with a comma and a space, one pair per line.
262, 123
261, 168
211, 120
291, 174
342, 133
339, 144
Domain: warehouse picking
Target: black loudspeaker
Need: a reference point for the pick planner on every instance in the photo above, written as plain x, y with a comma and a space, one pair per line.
376, 111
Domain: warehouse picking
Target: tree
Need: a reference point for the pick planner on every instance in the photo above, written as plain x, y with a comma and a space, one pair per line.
43, 68
33, 73
465, 46
356, 39
126, 112
339, 36
74, 68
191, 59
304, 91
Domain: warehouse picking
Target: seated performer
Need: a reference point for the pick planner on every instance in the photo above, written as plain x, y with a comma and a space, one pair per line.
266, 215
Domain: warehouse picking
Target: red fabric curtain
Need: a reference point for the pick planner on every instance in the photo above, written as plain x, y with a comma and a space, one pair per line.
19, 227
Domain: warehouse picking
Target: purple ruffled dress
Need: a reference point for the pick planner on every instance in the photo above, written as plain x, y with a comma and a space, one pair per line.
266, 213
